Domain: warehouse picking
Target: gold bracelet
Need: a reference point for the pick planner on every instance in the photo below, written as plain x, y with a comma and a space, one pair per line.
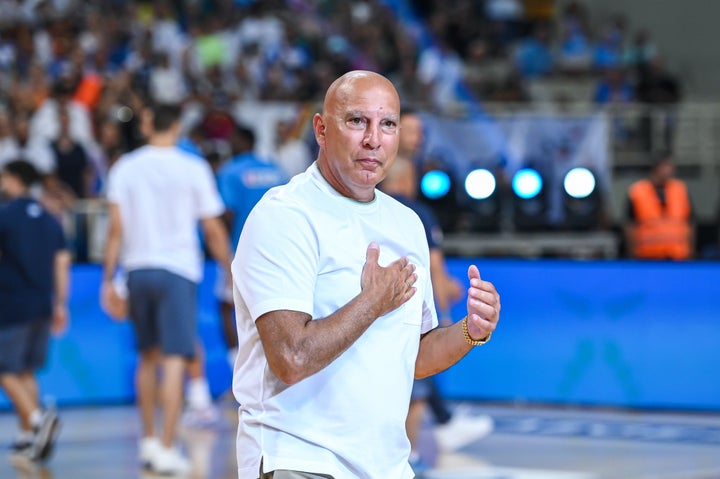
468, 339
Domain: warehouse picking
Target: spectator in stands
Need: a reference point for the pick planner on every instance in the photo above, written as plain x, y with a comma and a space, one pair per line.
292, 152
638, 54
660, 224
534, 57
440, 70
614, 88
45, 121
575, 55
34, 281
72, 166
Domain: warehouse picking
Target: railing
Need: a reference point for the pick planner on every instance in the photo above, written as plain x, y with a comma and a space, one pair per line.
691, 130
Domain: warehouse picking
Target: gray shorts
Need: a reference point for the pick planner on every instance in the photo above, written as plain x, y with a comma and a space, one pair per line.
285, 474
163, 309
23, 347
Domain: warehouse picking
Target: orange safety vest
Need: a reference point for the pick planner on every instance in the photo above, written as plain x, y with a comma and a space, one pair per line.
661, 232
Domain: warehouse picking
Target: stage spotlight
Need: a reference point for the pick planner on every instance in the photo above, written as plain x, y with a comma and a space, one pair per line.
435, 184
527, 183
582, 203
438, 191
480, 184
579, 183
529, 200
481, 203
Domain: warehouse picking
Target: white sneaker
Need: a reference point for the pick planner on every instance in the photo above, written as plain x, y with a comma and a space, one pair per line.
461, 430
169, 461
147, 449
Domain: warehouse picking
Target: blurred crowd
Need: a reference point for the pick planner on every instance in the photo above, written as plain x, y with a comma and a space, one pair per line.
74, 75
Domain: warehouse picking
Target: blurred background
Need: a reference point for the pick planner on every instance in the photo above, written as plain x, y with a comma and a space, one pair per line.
537, 116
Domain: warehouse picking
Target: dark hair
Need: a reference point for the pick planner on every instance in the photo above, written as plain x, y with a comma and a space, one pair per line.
165, 116
660, 157
24, 171
246, 135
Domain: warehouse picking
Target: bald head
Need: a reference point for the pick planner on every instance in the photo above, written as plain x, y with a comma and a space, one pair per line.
352, 84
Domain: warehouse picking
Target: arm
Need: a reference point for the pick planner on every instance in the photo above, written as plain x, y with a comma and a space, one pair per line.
443, 347
61, 270
112, 253
217, 241
446, 288
296, 346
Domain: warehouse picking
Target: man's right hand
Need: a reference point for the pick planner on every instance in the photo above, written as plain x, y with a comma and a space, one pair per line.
389, 287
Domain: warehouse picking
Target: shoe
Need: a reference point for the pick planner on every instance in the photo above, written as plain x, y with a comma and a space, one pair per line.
169, 461
45, 435
22, 452
148, 447
201, 417
461, 430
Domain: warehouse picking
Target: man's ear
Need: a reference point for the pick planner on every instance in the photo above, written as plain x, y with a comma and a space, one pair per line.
319, 129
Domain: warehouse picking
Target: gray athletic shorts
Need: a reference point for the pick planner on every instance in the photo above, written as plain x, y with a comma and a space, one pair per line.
23, 347
285, 474
163, 308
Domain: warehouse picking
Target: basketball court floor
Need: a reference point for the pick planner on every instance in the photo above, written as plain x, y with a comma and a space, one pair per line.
527, 442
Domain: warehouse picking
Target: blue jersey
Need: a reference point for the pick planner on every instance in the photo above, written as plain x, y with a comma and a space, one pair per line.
433, 232
242, 181
29, 239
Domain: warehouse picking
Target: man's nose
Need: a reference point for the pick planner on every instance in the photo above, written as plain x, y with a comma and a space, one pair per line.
372, 137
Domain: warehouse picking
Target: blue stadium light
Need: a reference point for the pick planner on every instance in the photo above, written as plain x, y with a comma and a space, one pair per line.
435, 184
579, 183
480, 184
527, 183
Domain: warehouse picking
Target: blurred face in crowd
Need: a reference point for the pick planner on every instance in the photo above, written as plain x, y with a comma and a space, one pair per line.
10, 185
663, 171
411, 134
358, 133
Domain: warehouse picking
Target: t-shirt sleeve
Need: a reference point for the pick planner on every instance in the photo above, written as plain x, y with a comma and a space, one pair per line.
209, 202
276, 262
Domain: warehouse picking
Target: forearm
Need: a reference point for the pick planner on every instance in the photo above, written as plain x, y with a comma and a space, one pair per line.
62, 277
439, 349
217, 241
298, 349
112, 244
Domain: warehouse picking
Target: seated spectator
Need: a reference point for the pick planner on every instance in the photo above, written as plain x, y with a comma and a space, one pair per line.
533, 56
614, 88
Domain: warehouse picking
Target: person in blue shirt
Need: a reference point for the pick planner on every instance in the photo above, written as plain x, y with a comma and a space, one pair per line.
242, 181
34, 275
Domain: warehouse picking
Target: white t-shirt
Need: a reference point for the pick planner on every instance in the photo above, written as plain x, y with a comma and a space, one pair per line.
303, 248
162, 193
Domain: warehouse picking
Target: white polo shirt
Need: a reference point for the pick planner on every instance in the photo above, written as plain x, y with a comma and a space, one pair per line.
162, 193
303, 248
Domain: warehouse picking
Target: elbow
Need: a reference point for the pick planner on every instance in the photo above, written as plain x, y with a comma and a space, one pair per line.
290, 368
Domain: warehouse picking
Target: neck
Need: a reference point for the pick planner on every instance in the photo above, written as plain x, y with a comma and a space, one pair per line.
165, 138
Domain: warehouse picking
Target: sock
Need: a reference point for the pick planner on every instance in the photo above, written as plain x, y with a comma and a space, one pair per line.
198, 394
414, 456
36, 418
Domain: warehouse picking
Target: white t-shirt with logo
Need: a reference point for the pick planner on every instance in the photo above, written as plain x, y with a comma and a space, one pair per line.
303, 248
162, 193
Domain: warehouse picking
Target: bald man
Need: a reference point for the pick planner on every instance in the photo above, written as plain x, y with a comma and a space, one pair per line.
334, 305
